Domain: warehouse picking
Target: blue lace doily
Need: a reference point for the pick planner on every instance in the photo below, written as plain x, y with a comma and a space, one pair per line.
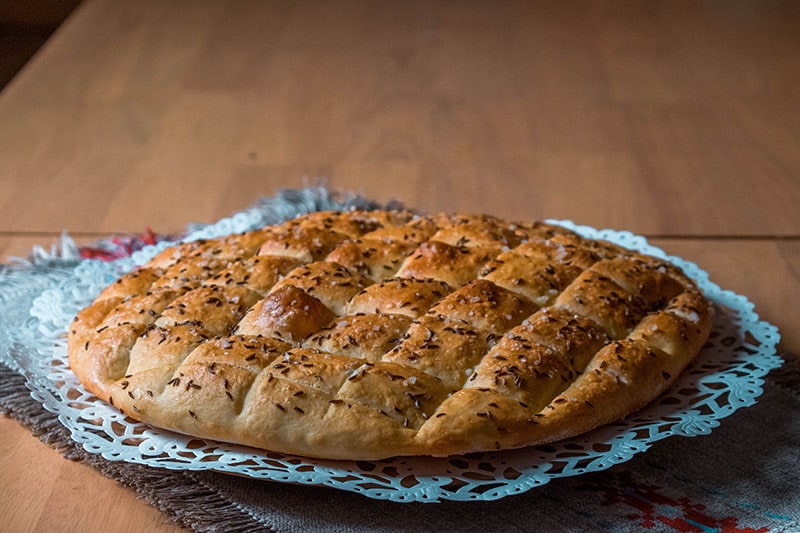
727, 375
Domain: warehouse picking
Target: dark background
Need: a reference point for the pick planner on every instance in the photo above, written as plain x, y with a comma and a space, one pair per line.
24, 28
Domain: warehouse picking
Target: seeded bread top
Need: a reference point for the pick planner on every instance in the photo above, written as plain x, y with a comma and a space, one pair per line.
369, 334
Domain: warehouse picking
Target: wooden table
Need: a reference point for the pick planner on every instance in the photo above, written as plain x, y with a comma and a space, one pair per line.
679, 121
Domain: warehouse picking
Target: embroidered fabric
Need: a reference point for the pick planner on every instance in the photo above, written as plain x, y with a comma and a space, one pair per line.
727, 376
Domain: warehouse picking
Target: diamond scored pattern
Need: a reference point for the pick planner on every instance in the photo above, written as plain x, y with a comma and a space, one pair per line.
384, 324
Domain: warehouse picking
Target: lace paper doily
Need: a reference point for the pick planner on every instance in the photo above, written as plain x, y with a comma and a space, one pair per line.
726, 376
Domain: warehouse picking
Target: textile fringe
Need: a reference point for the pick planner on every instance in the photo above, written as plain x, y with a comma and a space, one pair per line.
285, 204
16, 402
185, 500
183, 496
290, 203
180, 495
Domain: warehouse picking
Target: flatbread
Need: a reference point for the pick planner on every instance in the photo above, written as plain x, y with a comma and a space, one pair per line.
371, 334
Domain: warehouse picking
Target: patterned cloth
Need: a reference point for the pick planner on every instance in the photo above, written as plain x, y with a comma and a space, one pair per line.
743, 477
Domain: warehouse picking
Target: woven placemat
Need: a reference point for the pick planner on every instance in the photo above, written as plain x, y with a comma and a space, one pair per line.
742, 477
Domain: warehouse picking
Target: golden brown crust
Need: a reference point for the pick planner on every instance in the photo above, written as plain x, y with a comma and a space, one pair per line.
411, 297
362, 336
376, 259
330, 283
369, 334
454, 265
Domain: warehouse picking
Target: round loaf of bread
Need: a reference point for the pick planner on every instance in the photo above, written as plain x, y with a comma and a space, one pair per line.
371, 334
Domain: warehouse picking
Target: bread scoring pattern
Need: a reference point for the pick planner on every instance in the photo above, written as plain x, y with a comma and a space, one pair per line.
369, 334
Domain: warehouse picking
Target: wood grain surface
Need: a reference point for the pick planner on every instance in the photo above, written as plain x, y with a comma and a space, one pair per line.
677, 120
656, 117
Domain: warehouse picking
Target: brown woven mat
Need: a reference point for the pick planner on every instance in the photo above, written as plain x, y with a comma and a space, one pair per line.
742, 477
710, 483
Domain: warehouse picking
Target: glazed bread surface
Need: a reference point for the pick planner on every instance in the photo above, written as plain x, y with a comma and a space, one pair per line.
371, 334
